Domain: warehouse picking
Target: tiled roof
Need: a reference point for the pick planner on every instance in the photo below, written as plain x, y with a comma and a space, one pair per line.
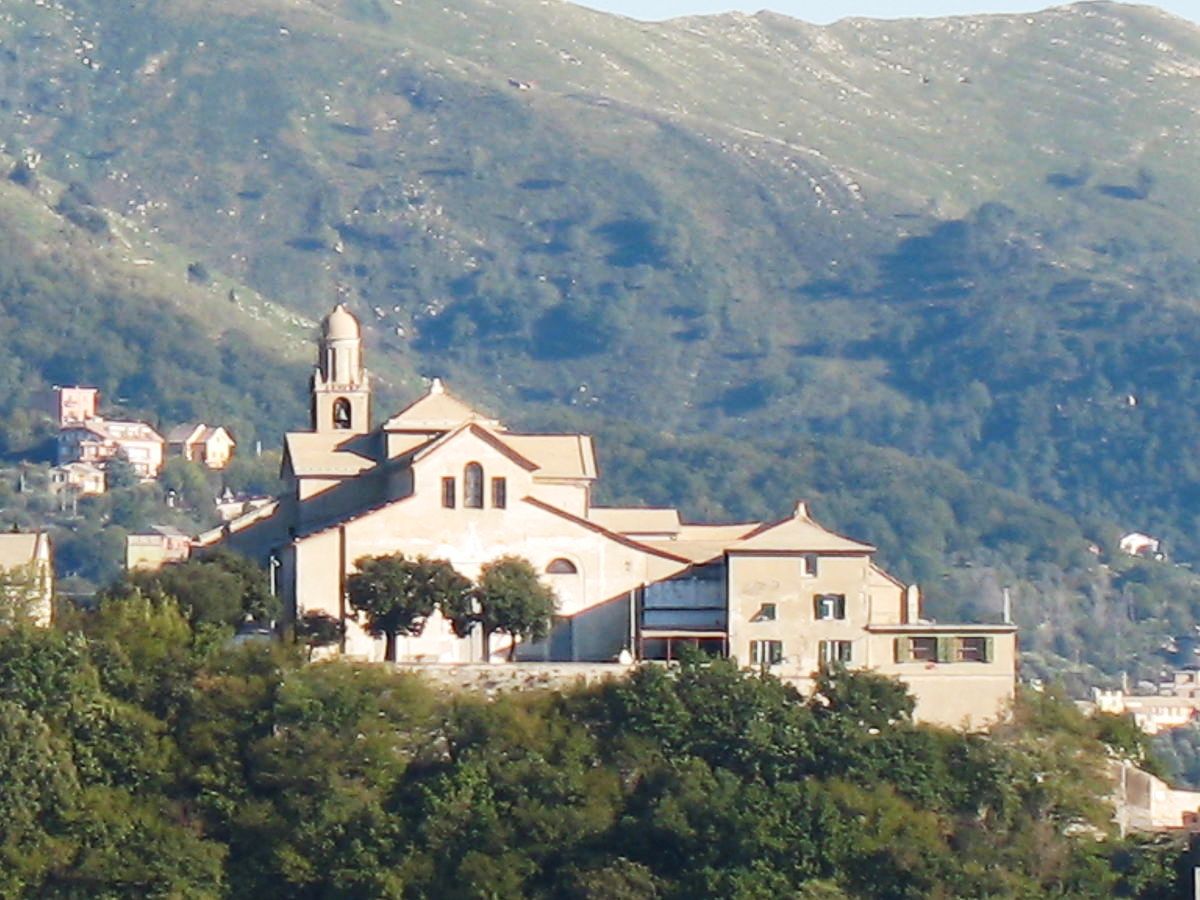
636, 520
436, 411
798, 533
312, 454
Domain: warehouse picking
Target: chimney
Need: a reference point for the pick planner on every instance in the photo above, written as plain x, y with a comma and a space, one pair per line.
912, 604
801, 511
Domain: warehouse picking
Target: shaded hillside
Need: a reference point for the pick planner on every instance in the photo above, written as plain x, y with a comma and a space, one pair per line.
78, 307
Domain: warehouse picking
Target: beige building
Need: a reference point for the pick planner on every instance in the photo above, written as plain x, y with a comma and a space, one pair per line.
155, 548
68, 405
209, 446
443, 480
80, 477
98, 440
26, 559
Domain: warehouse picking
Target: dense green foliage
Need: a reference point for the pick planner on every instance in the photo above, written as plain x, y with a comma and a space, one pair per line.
220, 588
145, 758
509, 597
991, 301
397, 595
918, 287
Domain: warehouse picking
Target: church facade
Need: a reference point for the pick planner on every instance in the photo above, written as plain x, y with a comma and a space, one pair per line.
442, 480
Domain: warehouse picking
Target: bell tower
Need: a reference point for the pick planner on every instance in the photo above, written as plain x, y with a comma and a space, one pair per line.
341, 396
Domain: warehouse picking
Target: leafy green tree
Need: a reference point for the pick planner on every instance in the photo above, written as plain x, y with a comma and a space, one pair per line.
221, 588
189, 482
509, 597
397, 595
317, 628
119, 473
864, 698
22, 596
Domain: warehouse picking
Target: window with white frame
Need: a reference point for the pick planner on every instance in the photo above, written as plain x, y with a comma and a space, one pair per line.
829, 606
766, 653
835, 652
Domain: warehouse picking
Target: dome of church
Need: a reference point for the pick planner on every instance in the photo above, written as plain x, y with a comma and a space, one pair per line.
340, 324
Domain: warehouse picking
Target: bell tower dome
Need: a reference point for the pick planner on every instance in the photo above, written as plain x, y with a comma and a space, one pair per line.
341, 396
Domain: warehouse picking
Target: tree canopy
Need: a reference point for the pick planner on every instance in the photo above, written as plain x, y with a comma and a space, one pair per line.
397, 595
144, 758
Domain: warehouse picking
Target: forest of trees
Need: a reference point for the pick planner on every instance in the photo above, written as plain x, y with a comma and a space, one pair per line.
147, 756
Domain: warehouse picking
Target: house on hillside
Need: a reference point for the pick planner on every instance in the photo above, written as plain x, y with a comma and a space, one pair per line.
27, 564
68, 405
97, 441
82, 478
443, 480
209, 446
1137, 544
155, 548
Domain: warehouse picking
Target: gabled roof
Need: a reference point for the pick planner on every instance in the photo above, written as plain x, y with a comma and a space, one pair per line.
436, 411
110, 430
704, 543
330, 453
556, 455
490, 438
185, 434
644, 546
21, 549
192, 433
635, 520
798, 533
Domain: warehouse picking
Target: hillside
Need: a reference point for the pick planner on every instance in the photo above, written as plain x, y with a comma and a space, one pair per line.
965, 239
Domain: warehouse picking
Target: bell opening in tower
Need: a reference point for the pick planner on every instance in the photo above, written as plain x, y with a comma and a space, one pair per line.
341, 414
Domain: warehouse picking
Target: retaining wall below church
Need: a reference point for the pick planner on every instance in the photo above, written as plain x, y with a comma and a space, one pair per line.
489, 678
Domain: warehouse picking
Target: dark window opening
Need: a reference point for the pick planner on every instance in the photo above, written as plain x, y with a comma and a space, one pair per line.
473, 486
499, 493
341, 413
829, 606
561, 567
971, 649
923, 649
766, 613
448, 492
808, 565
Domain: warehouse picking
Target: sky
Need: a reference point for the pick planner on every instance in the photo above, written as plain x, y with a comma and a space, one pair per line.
825, 11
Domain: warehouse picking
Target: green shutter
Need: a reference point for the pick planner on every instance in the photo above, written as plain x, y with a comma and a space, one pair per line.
945, 649
903, 649
989, 649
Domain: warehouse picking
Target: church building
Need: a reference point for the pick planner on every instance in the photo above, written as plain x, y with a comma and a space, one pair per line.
442, 480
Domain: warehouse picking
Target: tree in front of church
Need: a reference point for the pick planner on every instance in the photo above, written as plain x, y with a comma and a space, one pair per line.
509, 597
317, 629
397, 595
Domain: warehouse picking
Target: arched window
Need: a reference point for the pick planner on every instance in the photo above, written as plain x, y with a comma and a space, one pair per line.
341, 413
561, 567
473, 486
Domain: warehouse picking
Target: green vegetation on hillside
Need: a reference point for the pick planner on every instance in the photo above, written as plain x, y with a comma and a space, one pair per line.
938, 276
147, 758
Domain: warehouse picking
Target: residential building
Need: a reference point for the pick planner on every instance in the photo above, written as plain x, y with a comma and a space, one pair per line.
97, 441
82, 478
155, 548
209, 446
1137, 544
443, 480
26, 559
68, 405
